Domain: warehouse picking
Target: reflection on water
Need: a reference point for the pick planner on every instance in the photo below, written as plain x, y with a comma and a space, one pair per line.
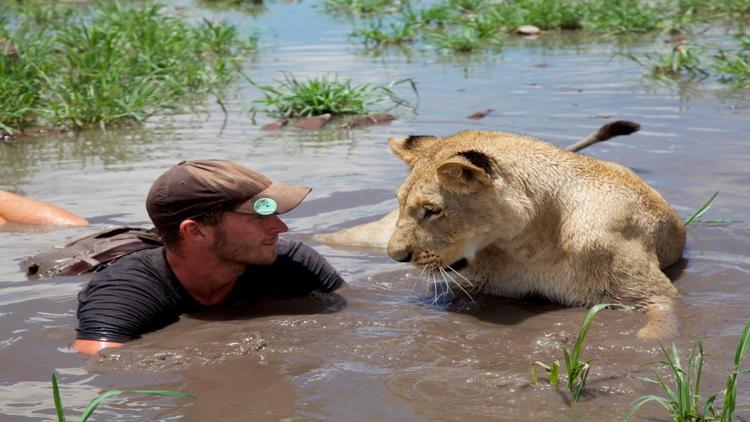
395, 347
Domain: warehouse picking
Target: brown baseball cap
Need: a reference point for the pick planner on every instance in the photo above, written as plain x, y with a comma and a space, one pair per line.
196, 187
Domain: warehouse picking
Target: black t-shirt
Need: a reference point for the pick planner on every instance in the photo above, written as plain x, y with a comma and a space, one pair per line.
139, 293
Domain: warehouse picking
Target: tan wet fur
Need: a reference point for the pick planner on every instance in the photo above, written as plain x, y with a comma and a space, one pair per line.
531, 218
376, 234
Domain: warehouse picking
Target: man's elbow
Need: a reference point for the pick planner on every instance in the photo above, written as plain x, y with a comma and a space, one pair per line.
90, 347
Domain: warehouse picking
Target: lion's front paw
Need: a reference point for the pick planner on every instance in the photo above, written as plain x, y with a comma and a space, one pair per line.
662, 322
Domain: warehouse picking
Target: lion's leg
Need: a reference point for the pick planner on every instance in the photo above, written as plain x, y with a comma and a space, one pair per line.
371, 235
661, 319
641, 283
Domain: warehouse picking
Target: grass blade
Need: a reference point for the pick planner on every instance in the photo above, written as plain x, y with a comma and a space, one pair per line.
58, 402
706, 205
93, 404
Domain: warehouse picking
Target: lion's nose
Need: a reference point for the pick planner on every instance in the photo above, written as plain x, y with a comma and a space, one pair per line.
403, 255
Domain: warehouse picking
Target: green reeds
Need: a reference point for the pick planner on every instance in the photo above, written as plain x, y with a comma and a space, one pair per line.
94, 403
361, 7
380, 35
113, 65
680, 61
623, 16
577, 370
683, 399
544, 14
291, 97
702, 210
733, 67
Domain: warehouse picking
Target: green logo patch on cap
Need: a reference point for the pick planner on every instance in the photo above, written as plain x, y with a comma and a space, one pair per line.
265, 206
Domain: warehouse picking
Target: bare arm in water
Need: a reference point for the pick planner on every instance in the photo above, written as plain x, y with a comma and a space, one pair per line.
90, 347
19, 209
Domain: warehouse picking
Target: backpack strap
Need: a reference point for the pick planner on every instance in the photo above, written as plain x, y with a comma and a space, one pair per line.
90, 252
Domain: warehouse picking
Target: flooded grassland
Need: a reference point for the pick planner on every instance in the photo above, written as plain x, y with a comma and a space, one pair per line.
383, 348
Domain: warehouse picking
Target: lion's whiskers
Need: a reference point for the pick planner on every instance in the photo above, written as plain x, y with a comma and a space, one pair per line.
445, 280
445, 274
460, 275
430, 276
421, 277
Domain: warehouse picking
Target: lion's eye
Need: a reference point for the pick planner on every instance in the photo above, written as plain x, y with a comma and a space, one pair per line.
430, 212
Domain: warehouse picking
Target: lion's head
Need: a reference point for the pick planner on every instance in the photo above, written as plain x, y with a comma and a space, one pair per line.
460, 196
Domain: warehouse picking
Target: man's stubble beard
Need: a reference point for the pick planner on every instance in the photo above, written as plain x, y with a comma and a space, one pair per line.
237, 254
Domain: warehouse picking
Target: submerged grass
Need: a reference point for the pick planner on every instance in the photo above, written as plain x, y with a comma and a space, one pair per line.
683, 398
94, 403
577, 370
117, 64
291, 97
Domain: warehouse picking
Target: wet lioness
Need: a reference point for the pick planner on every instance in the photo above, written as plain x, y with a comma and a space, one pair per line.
516, 216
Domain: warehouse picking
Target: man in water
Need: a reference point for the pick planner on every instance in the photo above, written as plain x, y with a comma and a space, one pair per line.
220, 227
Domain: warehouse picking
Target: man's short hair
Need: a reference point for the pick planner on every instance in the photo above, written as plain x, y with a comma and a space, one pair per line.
195, 188
171, 235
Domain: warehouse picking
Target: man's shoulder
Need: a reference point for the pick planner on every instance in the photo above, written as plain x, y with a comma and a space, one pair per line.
146, 263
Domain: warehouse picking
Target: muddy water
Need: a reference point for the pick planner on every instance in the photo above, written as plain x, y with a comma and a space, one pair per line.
387, 346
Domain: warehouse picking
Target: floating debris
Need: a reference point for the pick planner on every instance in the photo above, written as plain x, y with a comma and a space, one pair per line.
313, 123
528, 30
276, 125
375, 119
480, 114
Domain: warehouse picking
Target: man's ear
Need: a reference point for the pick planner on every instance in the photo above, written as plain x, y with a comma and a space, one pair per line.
191, 230
409, 148
467, 171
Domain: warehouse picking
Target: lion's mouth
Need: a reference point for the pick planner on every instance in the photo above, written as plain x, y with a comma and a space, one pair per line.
459, 265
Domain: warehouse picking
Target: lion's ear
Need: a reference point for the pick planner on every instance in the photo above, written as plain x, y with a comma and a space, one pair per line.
467, 171
409, 148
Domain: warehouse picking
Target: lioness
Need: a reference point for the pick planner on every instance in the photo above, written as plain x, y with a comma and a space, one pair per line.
517, 216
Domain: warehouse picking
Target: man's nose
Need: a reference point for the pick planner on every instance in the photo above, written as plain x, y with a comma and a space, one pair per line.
275, 225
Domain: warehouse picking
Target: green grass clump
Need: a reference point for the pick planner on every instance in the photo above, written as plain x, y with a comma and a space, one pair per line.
94, 403
682, 61
463, 40
577, 370
623, 16
734, 67
544, 14
113, 65
20, 88
361, 7
294, 98
380, 35
683, 399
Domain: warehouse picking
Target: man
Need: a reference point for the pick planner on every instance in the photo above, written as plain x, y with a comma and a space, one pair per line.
220, 226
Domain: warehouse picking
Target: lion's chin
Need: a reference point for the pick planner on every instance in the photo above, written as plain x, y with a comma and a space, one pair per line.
459, 265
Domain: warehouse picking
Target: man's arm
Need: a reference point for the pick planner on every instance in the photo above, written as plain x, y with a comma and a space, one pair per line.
90, 347
124, 301
19, 209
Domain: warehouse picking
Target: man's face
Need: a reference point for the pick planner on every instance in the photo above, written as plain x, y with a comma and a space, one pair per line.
247, 239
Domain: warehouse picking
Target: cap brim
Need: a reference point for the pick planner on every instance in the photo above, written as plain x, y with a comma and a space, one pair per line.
287, 197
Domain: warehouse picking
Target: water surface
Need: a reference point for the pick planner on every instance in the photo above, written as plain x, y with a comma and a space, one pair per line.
382, 348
